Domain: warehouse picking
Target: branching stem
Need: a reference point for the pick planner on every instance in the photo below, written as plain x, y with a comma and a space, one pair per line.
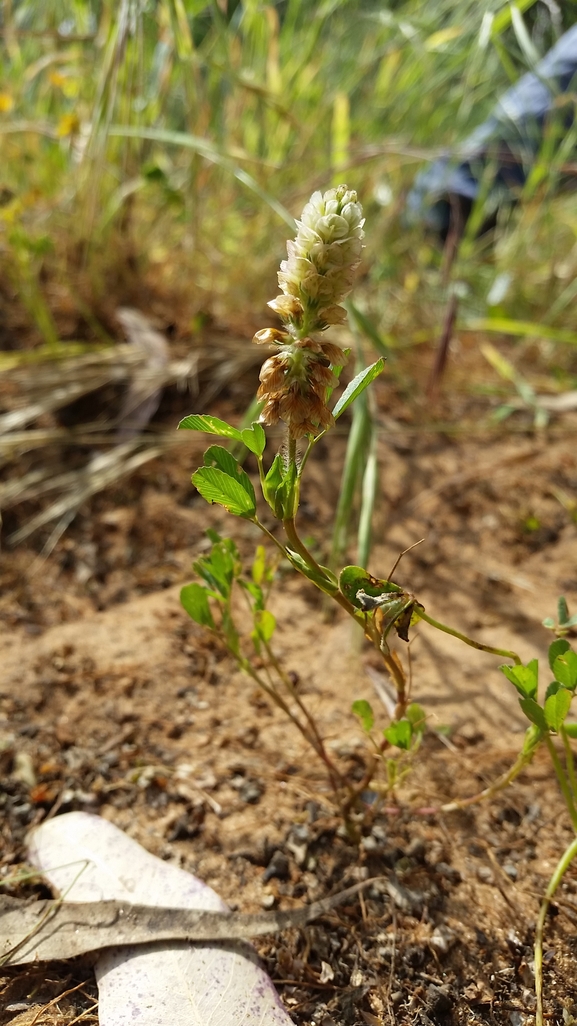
558, 874
505, 653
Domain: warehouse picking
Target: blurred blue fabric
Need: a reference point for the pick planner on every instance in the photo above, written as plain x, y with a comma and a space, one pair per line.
504, 147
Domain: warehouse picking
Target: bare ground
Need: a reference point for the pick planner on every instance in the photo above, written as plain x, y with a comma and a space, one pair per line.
112, 701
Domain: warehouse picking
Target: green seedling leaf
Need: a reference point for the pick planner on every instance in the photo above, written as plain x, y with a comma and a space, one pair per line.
255, 592
570, 729
562, 611
236, 495
194, 599
265, 624
210, 426
549, 623
280, 488
272, 483
565, 669
258, 569
364, 711
399, 734
358, 385
254, 438
534, 712
556, 708
417, 717
220, 568
524, 678
557, 648
219, 457
212, 535
353, 579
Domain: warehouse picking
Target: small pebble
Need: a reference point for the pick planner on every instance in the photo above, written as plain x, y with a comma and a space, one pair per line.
485, 874
441, 939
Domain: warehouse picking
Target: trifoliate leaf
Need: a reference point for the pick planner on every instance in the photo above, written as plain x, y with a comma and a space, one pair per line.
254, 438
556, 648
237, 496
194, 600
210, 425
534, 712
525, 678
364, 711
399, 734
565, 669
556, 708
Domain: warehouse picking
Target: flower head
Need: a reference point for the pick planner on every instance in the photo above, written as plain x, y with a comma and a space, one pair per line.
315, 278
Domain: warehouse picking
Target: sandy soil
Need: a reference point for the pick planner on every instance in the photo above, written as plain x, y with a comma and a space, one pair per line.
113, 701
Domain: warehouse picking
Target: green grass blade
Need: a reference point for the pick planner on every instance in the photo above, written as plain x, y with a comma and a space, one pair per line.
210, 152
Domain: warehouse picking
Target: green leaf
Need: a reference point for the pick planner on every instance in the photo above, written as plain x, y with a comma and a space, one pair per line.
272, 483
552, 689
562, 611
557, 648
358, 385
399, 734
255, 591
254, 438
353, 579
219, 457
210, 426
534, 713
549, 623
280, 488
265, 624
236, 495
417, 717
220, 568
525, 678
556, 708
206, 149
259, 567
565, 669
364, 711
570, 729
194, 599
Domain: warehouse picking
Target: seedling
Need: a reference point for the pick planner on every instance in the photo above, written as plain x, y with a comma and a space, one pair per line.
297, 385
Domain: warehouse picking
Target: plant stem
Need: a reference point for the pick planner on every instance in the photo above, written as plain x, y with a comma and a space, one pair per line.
315, 739
570, 762
522, 760
558, 873
298, 546
468, 641
562, 779
270, 535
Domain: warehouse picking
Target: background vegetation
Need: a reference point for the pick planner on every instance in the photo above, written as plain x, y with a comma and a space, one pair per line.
153, 151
